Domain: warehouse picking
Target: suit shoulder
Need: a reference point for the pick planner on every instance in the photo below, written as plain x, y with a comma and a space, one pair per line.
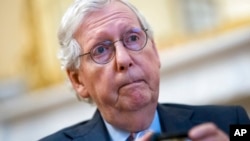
61, 136
214, 108
237, 114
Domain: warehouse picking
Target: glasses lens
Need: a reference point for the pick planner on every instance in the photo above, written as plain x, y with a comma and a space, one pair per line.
135, 39
103, 52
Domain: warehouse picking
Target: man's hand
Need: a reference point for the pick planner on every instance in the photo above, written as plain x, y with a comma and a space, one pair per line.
207, 132
202, 132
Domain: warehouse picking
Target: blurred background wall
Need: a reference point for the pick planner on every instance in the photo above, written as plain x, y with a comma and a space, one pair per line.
204, 47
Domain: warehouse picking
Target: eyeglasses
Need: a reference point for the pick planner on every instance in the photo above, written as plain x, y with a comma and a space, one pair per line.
102, 53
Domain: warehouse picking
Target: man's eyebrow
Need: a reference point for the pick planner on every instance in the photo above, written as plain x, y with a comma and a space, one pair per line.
99, 38
136, 29
102, 35
133, 29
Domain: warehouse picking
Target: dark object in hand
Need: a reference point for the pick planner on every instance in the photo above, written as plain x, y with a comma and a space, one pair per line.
170, 137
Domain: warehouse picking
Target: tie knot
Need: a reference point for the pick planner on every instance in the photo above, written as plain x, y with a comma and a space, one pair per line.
131, 137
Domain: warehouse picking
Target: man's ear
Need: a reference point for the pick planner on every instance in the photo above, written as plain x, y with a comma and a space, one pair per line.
77, 83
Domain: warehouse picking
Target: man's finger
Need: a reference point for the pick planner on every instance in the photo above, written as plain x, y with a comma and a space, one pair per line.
202, 130
207, 131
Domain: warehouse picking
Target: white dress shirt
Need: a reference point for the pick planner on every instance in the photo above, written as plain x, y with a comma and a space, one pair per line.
117, 134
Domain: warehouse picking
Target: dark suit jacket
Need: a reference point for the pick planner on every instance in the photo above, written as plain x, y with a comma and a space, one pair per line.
174, 118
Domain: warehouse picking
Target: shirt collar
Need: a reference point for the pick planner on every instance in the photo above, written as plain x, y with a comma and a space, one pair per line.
117, 134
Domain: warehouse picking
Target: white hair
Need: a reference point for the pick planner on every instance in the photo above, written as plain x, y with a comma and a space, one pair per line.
73, 18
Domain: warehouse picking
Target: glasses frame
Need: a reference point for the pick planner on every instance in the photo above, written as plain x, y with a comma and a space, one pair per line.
113, 46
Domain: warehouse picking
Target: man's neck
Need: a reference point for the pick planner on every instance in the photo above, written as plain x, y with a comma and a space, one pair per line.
119, 134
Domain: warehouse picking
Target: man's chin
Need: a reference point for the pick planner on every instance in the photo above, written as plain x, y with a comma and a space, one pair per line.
136, 100
136, 105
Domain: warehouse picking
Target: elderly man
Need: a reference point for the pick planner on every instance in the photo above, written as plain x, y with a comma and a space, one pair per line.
109, 54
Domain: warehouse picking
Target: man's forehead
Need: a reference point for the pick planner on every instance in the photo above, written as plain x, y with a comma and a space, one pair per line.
111, 12
114, 5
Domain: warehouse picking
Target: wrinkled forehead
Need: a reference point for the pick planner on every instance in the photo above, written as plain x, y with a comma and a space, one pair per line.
113, 12
109, 7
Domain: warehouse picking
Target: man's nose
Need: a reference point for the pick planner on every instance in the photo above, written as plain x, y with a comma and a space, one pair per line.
122, 57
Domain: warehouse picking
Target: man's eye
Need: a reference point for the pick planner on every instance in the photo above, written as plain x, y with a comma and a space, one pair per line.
133, 38
99, 50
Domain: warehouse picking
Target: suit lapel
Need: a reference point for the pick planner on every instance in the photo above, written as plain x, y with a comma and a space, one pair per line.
174, 120
94, 130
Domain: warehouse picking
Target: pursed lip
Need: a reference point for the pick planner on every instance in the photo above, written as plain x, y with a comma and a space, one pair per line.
128, 83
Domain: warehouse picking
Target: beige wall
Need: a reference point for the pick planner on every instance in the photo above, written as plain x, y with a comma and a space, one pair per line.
158, 15
28, 41
10, 37
235, 9
166, 18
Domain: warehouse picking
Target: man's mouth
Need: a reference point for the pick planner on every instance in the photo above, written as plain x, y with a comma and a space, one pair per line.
136, 81
131, 84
